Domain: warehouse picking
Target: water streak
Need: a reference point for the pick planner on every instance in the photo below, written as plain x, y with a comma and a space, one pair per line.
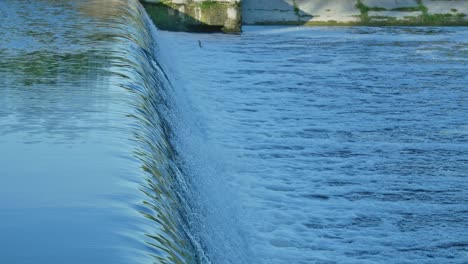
81, 87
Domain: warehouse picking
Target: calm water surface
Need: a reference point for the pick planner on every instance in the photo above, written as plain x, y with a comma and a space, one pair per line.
86, 170
123, 144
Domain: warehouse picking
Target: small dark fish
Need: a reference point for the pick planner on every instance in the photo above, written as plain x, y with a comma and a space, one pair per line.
199, 44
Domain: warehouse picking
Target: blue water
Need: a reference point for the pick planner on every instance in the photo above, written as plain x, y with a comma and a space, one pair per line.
336, 145
120, 143
86, 168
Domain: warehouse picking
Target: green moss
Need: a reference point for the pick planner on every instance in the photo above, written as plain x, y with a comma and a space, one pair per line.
382, 21
280, 23
408, 8
422, 7
425, 19
364, 10
376, 8
332, 23
213, 17
434, 19
439, 19
362, 7
296, 9
206, 16
208, 4
383, 18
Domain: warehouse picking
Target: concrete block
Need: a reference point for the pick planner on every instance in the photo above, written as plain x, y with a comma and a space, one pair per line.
269, 16
447, 7
394, 14
326, 10
268, 11
195, 15
273, 5
390, 4
299, 11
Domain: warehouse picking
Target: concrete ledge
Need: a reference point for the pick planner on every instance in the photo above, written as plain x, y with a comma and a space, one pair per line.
225, 15
331, 10
446, 7
356, 12
392, 4
195, 15
398, 15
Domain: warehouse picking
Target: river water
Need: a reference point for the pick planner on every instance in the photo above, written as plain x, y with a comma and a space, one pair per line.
120, 143
340, 145
87, 171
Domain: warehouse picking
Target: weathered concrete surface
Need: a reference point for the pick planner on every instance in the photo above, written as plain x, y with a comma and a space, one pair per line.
331, 10
267, 11
195, 15
446, 7
215, 15
392, 15
390, 4
297, 11
356, 12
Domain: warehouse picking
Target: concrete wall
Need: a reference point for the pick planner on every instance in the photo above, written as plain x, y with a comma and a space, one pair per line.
356, 12
216, 15
195, 15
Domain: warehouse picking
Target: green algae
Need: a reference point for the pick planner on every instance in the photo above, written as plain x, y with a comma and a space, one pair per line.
209, 15
209, 4
407, 9
425, 19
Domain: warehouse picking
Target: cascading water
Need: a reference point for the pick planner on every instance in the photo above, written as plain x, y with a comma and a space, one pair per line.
165, 187
168, 202
99, 50
337, 145
123, 144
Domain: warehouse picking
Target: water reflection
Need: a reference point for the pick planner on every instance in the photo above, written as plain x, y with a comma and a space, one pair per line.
85, 144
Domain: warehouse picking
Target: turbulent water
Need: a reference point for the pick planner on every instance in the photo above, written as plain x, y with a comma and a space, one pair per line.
123, 144
342, 145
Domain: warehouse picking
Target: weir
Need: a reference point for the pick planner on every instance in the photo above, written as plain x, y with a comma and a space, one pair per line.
195, 15
228, 15
124, 144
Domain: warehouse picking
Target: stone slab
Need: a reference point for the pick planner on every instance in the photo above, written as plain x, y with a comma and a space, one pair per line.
445, 7
394, 14
273, 5
270, 17
326, 10
195, 15
390, 4
261, 11
332, 12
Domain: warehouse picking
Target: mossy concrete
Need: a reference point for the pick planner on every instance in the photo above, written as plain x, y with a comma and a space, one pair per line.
195, 15
356, 12
225, 15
